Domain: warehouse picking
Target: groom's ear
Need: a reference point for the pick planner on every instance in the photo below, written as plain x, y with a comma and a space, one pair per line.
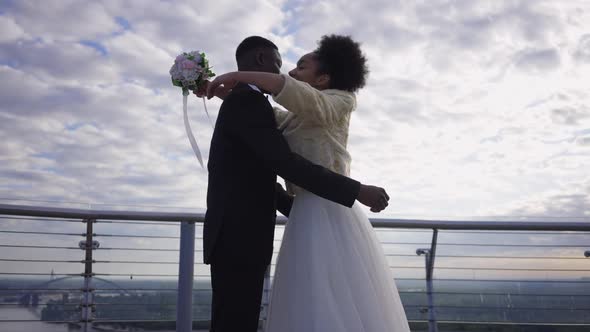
260, 58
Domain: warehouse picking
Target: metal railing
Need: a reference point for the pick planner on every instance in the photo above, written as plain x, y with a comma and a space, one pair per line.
402, 239
90, 218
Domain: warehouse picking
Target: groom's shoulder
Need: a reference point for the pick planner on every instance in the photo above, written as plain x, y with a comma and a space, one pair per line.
246, 94
245, 98
244, 106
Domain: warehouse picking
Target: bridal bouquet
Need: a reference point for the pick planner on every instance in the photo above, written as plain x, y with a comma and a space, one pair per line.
189, 71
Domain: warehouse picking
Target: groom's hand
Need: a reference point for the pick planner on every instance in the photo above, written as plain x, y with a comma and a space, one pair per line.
374, 197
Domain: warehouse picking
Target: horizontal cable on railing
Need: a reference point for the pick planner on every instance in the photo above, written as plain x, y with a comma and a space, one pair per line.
524, 232
491, 280
138, 223
497, 218
516, 232
40, 260
495, 307
498, 280
35, 247
133, 262
402, 230
100, 289
136, 249
493, 269
106, 320
44, 304
459, 322
137, 236
41, 274
41, 289
492, 245
505, 280
43, 233
42, 219
495, 294
463, 322
143, 275
498, 257
135, 304
40, 321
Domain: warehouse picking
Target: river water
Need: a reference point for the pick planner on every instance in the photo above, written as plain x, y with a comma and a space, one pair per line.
18, 313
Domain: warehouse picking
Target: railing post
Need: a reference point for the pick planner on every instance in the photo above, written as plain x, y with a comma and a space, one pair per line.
265, 297
184, 303
88, 246
429, 255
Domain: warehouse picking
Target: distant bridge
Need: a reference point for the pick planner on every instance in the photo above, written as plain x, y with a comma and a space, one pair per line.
30, 298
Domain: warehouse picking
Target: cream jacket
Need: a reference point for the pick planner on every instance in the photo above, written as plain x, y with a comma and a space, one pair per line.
316, 124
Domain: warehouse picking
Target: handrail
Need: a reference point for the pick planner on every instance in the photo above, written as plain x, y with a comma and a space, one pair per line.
53, 212
515, 225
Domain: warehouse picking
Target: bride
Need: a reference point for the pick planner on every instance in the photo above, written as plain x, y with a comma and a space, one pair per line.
331, 272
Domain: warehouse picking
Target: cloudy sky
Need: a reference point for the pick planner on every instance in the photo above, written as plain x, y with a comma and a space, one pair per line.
472, 108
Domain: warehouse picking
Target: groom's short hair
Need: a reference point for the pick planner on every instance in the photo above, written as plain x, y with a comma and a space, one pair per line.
251, 43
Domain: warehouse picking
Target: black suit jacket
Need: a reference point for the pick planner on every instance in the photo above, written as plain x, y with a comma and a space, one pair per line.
247, 152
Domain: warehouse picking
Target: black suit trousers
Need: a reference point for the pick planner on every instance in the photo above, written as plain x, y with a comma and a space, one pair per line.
237, 295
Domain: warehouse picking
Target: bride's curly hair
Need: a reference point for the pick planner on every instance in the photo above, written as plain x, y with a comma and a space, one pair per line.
342, 59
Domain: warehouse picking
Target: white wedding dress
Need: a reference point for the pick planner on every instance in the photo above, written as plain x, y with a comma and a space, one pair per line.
331, 272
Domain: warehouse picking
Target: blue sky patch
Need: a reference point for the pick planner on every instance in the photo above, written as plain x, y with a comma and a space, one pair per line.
95, 45
45, 155
9, 63
292, 23
74, 126
123, 22
4, 5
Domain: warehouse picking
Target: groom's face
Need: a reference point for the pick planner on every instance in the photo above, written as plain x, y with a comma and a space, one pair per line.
272, 61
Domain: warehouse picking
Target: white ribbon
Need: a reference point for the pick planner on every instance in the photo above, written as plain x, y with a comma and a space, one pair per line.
189, 132
187, 126
207, 112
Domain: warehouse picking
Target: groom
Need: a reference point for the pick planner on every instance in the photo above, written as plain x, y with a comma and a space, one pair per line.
247, 152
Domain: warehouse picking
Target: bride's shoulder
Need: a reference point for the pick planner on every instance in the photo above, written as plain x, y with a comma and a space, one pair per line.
346, 99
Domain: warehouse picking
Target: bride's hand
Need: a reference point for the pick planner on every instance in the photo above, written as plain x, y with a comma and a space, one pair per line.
219, 93
221, 85
202, 90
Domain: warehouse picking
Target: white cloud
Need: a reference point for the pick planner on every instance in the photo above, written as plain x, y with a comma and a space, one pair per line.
582, 52
10, 30
470, 108
63, 20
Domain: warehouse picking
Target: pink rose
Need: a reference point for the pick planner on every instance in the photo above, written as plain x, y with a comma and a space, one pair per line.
188, 64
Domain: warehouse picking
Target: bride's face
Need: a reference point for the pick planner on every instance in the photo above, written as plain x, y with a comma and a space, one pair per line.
307, 70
